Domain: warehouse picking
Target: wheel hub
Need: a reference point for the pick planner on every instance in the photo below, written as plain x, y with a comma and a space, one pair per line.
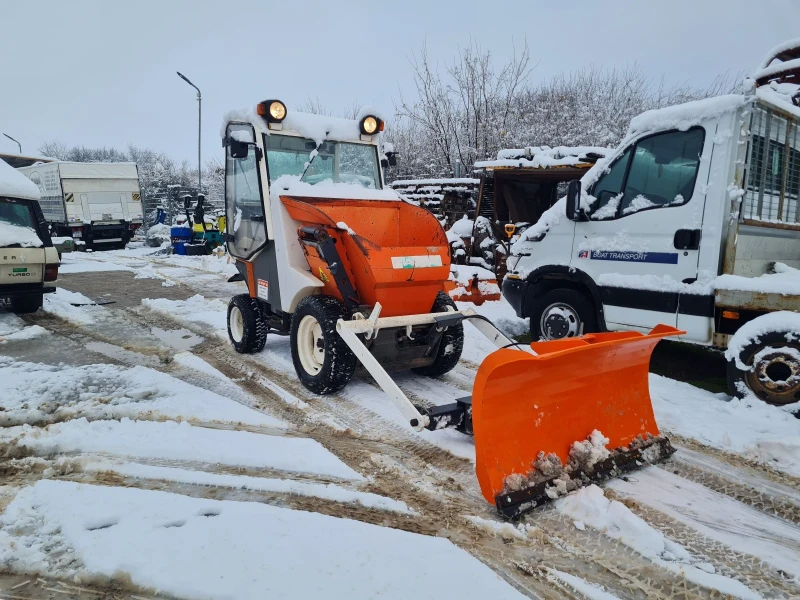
236, 323
560, 321
775, 376
310, 345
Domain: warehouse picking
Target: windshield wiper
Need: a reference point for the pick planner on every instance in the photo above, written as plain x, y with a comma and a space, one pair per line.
314, 154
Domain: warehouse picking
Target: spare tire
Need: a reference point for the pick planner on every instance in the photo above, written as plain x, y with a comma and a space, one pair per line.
769, 367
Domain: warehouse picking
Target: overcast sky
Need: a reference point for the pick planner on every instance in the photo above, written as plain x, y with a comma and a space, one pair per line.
103, 73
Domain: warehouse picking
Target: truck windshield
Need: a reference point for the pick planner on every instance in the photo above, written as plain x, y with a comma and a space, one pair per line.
340, 162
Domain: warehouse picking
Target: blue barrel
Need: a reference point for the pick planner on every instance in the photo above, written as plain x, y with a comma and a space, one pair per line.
180, 234
180, 248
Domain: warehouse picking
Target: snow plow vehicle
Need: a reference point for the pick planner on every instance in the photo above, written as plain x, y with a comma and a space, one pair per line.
355, 275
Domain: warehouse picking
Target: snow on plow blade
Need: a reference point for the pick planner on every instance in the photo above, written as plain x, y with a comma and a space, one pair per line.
529, 409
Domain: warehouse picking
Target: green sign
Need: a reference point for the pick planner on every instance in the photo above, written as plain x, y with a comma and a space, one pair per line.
19, 270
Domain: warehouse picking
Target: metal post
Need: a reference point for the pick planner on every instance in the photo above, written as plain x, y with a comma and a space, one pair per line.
199, 128
13, 140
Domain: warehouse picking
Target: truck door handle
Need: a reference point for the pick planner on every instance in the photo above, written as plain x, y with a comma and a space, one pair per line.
687, 239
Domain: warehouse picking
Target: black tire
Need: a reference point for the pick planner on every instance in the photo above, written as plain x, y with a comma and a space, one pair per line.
335, 363
27, 304
249, 335
451, 345
578, 315
775, 378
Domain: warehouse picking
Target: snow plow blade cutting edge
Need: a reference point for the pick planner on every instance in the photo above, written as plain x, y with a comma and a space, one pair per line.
524, 405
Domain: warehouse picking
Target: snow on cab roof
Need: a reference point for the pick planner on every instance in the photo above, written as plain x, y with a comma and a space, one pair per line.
684, 116
542, 157
14, 184
308, 125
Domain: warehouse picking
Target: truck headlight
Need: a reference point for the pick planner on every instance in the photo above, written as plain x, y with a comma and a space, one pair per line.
371, 125
273, 111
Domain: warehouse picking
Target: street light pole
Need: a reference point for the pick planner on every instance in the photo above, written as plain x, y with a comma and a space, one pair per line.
199, 123
13, 140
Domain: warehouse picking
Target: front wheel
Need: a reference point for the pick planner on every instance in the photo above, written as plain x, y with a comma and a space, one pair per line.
247, 328
562, 313
769, 367
322, 360
451, 344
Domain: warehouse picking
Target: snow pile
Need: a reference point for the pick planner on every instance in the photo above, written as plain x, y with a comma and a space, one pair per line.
196, 309
61, 303
614, 519
748, 426
452, 181
14, 184
684, 116
34, 393
542, 157
160, 233
462, 228
185, 442
783, 280
290, 185
11, 235
550, 218
584, 456
197, 548
782, 321
12, 328
79, 262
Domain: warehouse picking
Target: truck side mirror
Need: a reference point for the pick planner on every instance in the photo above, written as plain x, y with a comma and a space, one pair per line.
574, 200
238, 149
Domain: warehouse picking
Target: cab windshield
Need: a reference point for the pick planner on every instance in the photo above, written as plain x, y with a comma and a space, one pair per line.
340, 162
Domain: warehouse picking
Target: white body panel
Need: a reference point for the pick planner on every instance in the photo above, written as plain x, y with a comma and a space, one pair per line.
88, 193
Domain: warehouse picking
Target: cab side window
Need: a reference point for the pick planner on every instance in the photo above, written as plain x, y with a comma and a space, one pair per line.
662, 172
244, 211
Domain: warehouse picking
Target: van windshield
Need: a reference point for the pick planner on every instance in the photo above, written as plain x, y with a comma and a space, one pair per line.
340, 162
17, 226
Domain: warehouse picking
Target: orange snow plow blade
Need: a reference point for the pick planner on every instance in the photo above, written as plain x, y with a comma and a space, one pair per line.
527, 407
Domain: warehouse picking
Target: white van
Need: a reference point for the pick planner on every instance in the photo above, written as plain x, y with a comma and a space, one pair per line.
682, 225
28, 261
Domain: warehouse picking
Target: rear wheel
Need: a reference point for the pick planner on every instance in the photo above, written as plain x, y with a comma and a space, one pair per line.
771, 369
27, 304
247, 328
451, 344
562, 313
322, 360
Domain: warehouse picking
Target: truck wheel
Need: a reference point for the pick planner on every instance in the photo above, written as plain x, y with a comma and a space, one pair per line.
27, 304
247, 329
451, 344
323, 361
772, 370
562, 313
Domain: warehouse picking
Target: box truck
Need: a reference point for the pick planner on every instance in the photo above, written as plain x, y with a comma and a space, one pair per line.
99, 203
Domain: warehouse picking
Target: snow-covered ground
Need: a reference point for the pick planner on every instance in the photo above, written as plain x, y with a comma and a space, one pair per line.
139, 448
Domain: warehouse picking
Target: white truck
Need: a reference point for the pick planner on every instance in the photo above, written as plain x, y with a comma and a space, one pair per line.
99, 203
693, 221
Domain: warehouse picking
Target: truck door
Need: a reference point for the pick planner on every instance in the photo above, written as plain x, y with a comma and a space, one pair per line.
641, 240
245, 221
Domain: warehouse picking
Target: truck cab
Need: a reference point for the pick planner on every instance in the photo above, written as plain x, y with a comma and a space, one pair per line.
681, 225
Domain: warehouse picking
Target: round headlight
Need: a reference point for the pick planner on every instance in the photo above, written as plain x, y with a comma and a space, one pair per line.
277, 110
369, 125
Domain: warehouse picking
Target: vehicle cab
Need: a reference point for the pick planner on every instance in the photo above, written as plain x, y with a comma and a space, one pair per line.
28, 261
272, 148
632, 243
